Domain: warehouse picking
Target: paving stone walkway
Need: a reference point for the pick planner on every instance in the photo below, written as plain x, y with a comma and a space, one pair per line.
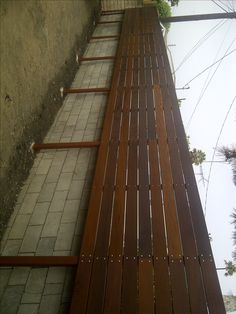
49, 216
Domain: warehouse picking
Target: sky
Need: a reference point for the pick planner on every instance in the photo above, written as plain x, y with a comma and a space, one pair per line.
205, 125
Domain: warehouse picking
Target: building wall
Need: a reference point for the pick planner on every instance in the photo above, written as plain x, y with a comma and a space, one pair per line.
39, 41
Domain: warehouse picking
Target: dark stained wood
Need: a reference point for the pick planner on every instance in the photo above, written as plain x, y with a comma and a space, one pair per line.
179, 286
81, 286
172, 226
212, 288
108, 22
113, 287
129, 301
163, 296
146, 291
85, 90
142, 243
65, 145
97, 58
105, 37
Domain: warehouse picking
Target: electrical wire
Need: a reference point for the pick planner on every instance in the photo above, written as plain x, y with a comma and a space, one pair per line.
233, 5
199, 43
226, 6
210, 66
214, 152
219, 5
207, 82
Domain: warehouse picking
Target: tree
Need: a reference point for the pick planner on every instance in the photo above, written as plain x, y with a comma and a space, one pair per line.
164, 8
233, 215
230, 268
197, 156
229, 154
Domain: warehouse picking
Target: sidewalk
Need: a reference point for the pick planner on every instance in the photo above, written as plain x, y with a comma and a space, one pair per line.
49, 216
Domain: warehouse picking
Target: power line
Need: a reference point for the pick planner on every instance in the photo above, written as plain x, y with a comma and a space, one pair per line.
206, 84
210, 66
225, 5
219, 6
199, 43
214, 152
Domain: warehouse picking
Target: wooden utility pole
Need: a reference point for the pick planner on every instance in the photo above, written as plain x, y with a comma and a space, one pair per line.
186, 18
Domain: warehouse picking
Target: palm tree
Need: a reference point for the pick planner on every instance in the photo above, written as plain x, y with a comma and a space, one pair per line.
233, 215
197, 156
229, 154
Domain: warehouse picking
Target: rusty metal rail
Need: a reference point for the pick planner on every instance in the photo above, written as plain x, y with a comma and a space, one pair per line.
66, 145
145, 246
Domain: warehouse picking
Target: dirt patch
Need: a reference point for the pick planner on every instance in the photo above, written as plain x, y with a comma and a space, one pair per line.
32, 125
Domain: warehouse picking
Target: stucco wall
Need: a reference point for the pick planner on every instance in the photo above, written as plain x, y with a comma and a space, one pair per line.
39, 40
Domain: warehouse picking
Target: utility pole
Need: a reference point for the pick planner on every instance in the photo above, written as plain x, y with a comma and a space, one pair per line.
200, 17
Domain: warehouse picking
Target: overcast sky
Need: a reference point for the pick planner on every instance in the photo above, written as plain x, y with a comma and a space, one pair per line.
206, 123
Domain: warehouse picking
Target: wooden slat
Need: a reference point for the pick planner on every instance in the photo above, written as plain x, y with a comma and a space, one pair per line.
163, 296
129, 300
212, 287
146, 292
172, 227
179, 287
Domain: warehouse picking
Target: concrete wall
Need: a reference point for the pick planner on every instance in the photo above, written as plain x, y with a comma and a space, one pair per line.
39, 40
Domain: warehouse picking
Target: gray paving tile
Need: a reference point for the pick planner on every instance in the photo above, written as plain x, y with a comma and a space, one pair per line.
36, 183
4, 277
19, 276
36, 280
22, 193
31, 239
65, 237
54, 173
53, 288
11, 247
64, 181
44, 166
39, 214
28, 309
59, 158
76, 188
28, 204
19, 227
11, 299
31, 297
70, 211
56, 275
47, 192
50, 304
46, 246
70, 162
50, 228
58, 202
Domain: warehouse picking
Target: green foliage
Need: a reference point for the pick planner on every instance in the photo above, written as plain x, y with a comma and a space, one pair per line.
229, 154
197, 156
179, 102
233, 215
163, 8
230, 268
